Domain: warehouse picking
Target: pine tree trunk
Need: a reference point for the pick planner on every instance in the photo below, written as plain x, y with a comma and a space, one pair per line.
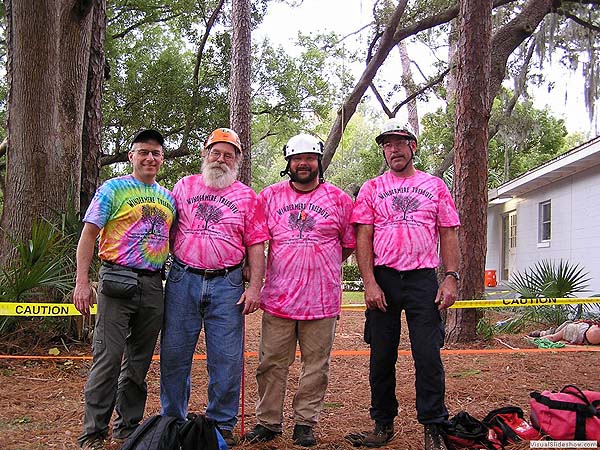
239, 87
92, 122
471, 159
48, 49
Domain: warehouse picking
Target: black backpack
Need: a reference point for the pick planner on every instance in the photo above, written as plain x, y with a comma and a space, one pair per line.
156, 433
198, 433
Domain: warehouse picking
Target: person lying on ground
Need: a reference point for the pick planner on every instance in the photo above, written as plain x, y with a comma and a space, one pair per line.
579, 332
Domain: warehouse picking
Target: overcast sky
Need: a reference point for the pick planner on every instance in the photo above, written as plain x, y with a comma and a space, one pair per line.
282, 23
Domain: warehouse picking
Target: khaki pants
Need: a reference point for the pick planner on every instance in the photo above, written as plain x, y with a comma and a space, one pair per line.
277, 353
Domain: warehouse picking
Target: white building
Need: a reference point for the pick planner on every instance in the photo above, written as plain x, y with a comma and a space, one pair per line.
551, 212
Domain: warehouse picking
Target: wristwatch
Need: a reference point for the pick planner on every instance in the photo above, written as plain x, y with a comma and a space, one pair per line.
452, 274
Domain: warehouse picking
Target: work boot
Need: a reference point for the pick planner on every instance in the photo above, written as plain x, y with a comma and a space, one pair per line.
96, 443
303, 435
381, 435
260, 433
228, 437
434, 437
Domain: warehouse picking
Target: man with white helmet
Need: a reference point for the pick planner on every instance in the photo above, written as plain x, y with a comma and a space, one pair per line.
310, 235
220, 222
400, 218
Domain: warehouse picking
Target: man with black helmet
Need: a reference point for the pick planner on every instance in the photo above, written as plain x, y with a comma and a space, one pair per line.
310, 236
219, 224
133, 215
400, 218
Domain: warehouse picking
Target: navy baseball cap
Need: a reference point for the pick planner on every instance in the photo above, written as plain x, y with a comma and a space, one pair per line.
145, 135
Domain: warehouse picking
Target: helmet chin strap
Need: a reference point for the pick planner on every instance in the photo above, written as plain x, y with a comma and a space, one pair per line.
285, 172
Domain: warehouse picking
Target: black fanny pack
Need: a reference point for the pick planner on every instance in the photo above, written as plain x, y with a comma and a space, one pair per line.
118, 282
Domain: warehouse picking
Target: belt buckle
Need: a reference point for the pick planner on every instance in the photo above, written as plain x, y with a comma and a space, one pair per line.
211, 273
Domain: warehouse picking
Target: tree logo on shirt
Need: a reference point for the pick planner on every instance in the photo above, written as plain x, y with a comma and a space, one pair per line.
405, 204
301, 221
154, 216
209, 213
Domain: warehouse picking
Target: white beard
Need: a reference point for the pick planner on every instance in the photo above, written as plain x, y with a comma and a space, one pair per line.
218, 175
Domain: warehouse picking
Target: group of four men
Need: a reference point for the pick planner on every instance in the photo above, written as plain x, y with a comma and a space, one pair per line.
215, 228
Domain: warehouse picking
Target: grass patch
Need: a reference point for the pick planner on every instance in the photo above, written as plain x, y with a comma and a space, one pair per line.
352, 297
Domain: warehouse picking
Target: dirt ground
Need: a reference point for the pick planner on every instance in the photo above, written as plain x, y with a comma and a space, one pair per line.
41, 401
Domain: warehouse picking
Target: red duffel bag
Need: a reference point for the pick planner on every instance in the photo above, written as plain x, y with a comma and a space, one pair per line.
571, 414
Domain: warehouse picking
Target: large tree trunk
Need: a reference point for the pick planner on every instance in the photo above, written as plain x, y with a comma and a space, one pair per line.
92, 121
48, 47
409, 87
471, 158
239, 90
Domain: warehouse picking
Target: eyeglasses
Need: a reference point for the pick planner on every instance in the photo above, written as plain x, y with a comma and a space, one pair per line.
146, 153
398, 143
216, 154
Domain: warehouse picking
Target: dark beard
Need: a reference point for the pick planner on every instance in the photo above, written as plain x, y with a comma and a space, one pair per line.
304, 180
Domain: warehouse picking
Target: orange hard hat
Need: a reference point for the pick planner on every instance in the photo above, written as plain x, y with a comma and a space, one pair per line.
223, 135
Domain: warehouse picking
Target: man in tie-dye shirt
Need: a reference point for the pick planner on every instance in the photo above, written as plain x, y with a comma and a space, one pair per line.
310, 236
400, 218
133, 215
219, 223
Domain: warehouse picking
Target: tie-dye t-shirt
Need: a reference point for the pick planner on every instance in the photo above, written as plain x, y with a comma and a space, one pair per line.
214, 226
134, 220
308, 231
406, 214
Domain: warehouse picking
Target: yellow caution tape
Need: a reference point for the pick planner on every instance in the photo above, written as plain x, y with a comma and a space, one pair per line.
68, 309
501, 303
40, 309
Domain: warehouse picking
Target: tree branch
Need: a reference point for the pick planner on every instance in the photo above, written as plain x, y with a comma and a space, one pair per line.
199, 53
415, 94
145, 21
579, 21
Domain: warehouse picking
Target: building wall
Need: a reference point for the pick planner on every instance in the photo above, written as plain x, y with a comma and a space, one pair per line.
575, 229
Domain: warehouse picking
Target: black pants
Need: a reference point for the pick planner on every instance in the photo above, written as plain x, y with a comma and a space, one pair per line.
414, 292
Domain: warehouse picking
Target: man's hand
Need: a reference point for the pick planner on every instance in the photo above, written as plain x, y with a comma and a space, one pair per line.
374, 297
447, 293
83, 298
250, 299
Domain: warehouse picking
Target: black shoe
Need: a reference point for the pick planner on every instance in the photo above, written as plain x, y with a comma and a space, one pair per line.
434, 437
228, 437
260, 433
381, 435
304, 436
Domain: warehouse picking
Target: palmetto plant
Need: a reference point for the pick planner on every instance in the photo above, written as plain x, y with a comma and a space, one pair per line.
548, 279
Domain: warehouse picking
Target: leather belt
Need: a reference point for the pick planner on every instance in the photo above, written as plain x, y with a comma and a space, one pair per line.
208, 273
142, 272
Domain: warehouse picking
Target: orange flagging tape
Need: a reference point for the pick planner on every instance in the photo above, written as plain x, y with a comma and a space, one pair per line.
467, 351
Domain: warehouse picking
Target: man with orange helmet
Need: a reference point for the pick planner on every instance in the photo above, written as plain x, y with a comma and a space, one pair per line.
220, 222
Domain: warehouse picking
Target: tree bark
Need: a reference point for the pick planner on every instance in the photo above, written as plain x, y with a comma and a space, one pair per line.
239, 91
471, 158
92, 122
48, 47
409, 87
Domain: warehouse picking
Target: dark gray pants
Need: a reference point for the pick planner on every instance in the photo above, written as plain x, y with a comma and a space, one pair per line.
124, 339
414, 292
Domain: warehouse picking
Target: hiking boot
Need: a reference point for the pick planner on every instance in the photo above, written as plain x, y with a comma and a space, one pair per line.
228, 437
260, 433
96, 443
434, 437
303, 435
381, 435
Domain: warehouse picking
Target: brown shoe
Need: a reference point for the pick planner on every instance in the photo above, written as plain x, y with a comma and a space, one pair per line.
434, 437
229, 437
381, 435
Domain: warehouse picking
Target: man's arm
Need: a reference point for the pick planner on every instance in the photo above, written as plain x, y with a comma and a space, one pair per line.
255, 255
374, 297
448, 290
82, 295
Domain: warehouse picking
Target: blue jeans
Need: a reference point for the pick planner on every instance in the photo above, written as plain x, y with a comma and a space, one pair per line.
191, 301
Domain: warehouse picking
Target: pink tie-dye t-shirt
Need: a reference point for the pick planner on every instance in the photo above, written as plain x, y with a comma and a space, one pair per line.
134, 220
214, 226
307, 233
406, 214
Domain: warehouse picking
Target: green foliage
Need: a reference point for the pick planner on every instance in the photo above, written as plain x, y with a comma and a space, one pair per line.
350, 272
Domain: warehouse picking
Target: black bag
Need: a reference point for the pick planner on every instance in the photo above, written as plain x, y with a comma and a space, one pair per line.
466, 432
156, 433
200, 433
119, 282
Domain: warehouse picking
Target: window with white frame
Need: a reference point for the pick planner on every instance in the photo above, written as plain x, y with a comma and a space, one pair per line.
545, 221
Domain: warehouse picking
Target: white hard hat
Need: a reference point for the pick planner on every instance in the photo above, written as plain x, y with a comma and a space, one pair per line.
396, 127
303, 143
